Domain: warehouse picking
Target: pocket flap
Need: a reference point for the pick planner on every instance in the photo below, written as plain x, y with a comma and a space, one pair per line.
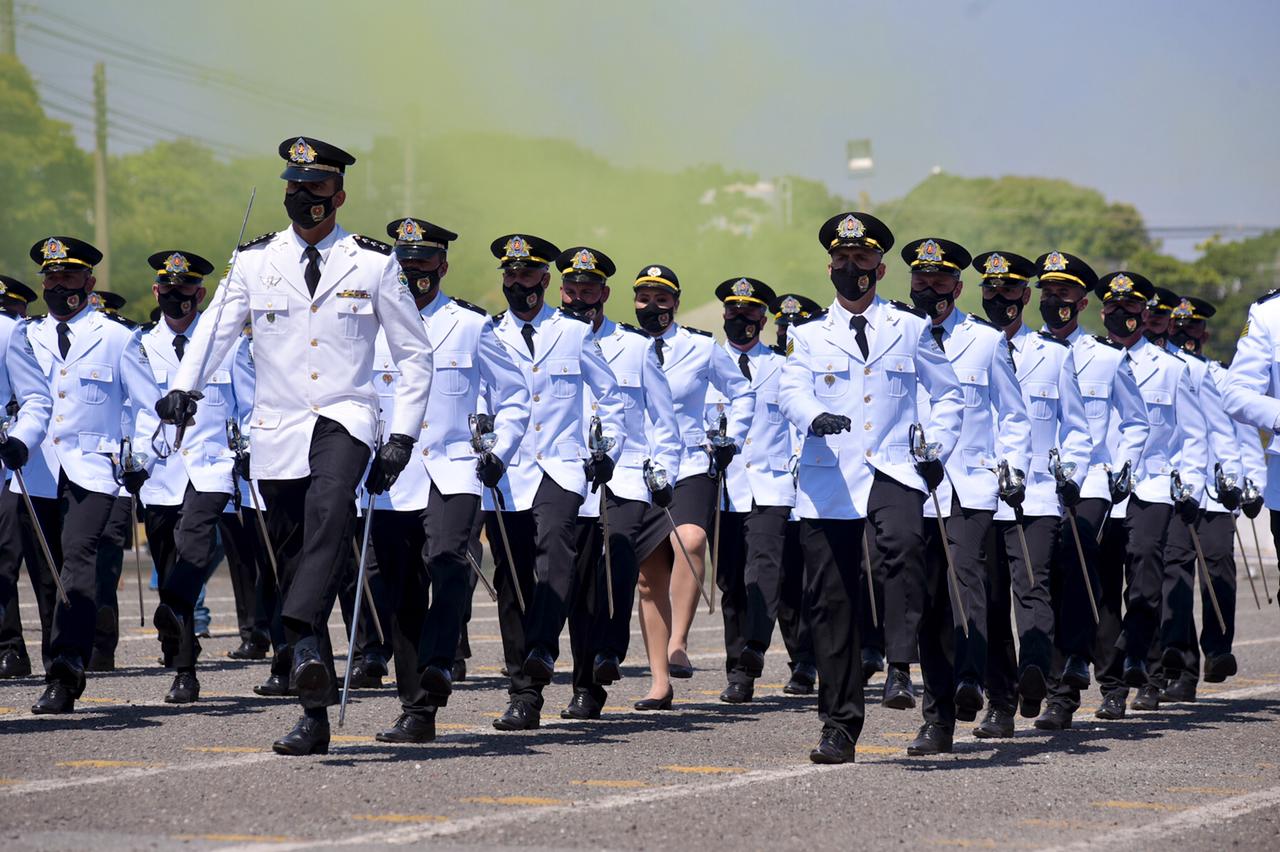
631, 379
220, 377
91, 442
1157, 396
1044, 390
263, 419
1094, 391
95, 372
564, 366
899, 364
818, 454
452, 360
457, 450
973, 376
162, 376
696, 438
570, 451
830, 364
362, 307
769, 397
268, 302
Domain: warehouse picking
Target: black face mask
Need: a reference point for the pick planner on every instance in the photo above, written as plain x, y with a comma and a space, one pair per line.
934, 304
63, 301
306, 209
421, 283
1001, 311
782, 335
523, 299
175, 305
1179, 338
1058, 314
741, 330
581, 309
1121, 323
654, 319
1157, 339
852, 281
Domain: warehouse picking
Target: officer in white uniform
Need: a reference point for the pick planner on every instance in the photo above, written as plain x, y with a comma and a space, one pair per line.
544, 486
318, 296
188, 490
1118, 430
422, 524
599, 641
1140, 526
994, 429
94, 368
759, 491
849, 384
1047, 375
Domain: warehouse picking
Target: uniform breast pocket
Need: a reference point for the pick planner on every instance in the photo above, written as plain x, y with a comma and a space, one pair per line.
1042, 400
269, 310
976, 386
453, 372
1095, 400
629, 384
772, 411
95, 382
830, 375
218, 390
900, 376
384, 381
1159, 406
356, 317
565, 375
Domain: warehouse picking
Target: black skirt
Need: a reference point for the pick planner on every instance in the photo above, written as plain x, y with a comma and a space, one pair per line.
694, 502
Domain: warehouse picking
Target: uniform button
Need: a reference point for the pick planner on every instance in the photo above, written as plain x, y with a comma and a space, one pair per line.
62, 372
186, 452
315, 342
424, 452
260, 421
868, 454
537, 427
828, 366
424, 424
867, 425
539, 456
58, 418
748, 440
62, 394
748, 465
971, 378
57, 440
536, 397
535, 368
595, 406
453, 363
313, 408
867, 398
315, 308
315, 376
866, 371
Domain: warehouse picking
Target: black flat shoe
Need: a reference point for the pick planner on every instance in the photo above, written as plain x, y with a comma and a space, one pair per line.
968, 700
1147, 699
437, 681
605, 669
1032, 685
361, 678
519, 717
1075, 672
309, 736
752, 661
1135, 672
679, 671
582, 706
1181, 691
996, 724
275, 686
539, 666
57, 698
185, 689
663, 703
898, 694
13, 664
409, 729
1054, 718
310, 677
1216, 669
833, 747
803, 676
932, 739
168, 624
737, 693
1113, 707
249, 650
459, 671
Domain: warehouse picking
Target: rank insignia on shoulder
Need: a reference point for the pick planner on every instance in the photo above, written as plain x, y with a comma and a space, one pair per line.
778, 349
983, 321
259, 240
815, 316
464, 304
1107, 341
371, 244
1269, 295
353, 294
791, 346
696, 330
911, 309
632, 328
563, 314
1052, 339
142, 354
1244, 332
497, 318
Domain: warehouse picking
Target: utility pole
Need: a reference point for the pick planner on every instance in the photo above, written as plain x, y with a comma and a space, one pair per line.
8, 37
100, 238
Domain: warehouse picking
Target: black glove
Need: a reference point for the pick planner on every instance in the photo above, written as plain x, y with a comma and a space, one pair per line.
722, 456
1069, 492
177, 407
663, 496
933, 473
13, 453
242, 466
388, 463
1015, 492
489, 470
599, 471
1252, 508
133, 480
1230, 498
1189, 511
829, 424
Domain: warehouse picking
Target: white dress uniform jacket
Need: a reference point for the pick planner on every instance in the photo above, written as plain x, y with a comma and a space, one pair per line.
1177, 425
826, 372
554, 444
693, 363
467, 356
1223, 444
22, 380
646, 399
314, 354
1252, 393
761, 473
995, 425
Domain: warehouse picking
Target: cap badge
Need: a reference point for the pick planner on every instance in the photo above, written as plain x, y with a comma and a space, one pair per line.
409, 231
1055, 262
996, 264
95, 300
742, 287
1184, 311
653, 272
302, 152
850, 228
929, 252
584, 260
54, 249
177, 264
517, 247
1121, 285
790, 305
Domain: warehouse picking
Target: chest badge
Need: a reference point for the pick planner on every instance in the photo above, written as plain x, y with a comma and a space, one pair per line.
829, 379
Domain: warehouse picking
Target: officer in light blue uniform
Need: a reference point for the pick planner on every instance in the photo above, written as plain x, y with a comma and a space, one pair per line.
543, 487
599, 641
994, 430
1252, 392
850, 385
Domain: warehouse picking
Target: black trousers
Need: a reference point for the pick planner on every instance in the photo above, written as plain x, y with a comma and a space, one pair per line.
946, 656
591, 630
833, 585
377, 597
476, 549
246, 558
116, 540
895, 535
423, 560
1074, 630
1011, 588
1217, 537
750, 579
542, 544
1178, 627
184, 547
308, 522
793, 622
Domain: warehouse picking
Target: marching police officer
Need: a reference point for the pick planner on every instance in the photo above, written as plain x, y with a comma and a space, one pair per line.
15, 297
649, 462
540, 492
994, 431
317, 295
849, 384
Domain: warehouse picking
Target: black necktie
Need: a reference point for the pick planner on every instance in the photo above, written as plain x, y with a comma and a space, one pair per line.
527, 334
744, 364
657, 347
180, 345
312, 272
937, 332
859, 324
64, 339
1012, 351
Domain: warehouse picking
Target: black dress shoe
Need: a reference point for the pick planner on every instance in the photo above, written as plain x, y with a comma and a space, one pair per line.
1113, 707
376, 665
1028, 709
996, 724
663, 703
1135, 672
13, 664
310, 676
1032, 685
539, 666
361, 678
249, 650
409, 729
872, 663
898, 694
751, 661
1181, 691
101, 661
275, 686
968, 700
1171, 659
309, 736
737, 693
803, 677
1147, 699
582, 706
1216, 669
1054, 718
437, 681
833, 747
678, 671
1075, 672
168, 624
605, 669
519, 717
58, 698
932, 739
459, 671
185, 689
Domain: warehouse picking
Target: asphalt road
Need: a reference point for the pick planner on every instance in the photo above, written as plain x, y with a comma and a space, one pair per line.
129, 772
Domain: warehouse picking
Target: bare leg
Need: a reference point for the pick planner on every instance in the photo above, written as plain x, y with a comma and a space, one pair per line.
685, 590
654, 587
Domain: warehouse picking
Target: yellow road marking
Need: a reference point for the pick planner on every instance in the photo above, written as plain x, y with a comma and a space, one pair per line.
4, 781
399, 817
84, 700
1212, 791
898, 735
4, 710
1137, 806
511, 800
620, 784
608, 708
105, 764
226, 749
453, 726
706, 692
1087, 710
236, 838
705, 770
770, 685
874, 749
350, 738
485, 668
